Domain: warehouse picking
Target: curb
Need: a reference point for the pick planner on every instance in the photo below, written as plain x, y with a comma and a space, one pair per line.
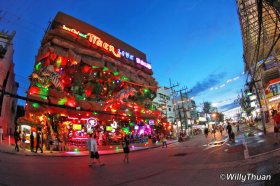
78, 155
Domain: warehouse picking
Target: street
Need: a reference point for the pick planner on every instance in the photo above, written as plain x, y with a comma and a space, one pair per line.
186, 163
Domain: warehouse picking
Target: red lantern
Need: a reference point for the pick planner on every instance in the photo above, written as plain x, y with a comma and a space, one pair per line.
34, 90
66, 80
71, 101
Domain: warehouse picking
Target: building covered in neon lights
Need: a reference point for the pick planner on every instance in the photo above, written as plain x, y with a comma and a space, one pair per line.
85, 80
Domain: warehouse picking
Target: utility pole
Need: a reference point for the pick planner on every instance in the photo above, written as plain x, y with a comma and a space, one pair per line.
182, 107
172, 86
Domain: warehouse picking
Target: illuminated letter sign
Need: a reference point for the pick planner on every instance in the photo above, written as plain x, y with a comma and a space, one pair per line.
274, 98
93, 39
97, 41
132, 58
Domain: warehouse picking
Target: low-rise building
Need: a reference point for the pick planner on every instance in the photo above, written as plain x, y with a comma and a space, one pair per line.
8, 104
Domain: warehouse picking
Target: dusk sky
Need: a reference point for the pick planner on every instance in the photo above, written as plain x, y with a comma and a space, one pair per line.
196, 43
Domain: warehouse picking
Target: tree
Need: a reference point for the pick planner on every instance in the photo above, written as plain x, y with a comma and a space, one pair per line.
206, 108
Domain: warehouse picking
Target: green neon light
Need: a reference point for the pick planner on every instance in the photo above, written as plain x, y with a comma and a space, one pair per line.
38, 66
116, 73
44, 91
131, 123
83, 35
43, 97
62, 101
126, 130
146, 90
35, 105
58, 62
124, 78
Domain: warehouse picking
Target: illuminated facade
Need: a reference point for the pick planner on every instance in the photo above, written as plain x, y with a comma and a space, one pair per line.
83, 74
260, 26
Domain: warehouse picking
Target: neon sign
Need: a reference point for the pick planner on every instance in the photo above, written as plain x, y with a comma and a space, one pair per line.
93, 39
97, 41
274, 98
131, 57
143, 63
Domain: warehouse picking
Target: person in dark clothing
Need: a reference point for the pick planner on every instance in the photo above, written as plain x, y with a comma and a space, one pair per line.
229, 130
38, 142
206, 131
125, 145
17, 138
32, 142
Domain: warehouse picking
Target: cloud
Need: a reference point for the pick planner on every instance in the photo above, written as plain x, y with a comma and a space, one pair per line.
207, 83
228, 106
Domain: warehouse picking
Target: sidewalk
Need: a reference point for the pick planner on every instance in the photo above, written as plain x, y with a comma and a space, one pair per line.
7, 147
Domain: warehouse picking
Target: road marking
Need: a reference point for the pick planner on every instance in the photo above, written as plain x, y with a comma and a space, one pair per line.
246, 152
215, 144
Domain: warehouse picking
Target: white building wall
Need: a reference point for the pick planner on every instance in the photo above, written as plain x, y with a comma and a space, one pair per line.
164, 103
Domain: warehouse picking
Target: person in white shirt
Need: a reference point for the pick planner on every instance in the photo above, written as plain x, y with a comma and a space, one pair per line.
92, 145
89, 148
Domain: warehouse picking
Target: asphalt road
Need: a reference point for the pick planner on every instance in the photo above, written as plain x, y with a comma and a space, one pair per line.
187, 163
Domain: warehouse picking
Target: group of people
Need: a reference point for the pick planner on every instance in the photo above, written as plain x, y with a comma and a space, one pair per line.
20, 138
220, 128
93, 150
49, 142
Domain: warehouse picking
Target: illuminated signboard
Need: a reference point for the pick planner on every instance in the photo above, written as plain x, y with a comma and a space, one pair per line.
93, 39
274, 98
131, 57
109, 128
97, 41
77, 127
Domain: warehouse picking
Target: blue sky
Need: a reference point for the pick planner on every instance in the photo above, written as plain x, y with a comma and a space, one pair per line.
196, 43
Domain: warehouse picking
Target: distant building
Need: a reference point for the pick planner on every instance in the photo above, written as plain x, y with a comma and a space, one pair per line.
233, 114
8, 84
163, 102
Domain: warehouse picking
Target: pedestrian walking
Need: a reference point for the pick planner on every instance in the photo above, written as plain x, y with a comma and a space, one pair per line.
94, 151
229, 130
232, 137
23, 139
125, 145
237, 127
32, 142
214, 131
206, 132
65, 141
89, 142
51, 142
1, 134
17, 138
276, 119
20, 137
38, 142
164, 141
221, 129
